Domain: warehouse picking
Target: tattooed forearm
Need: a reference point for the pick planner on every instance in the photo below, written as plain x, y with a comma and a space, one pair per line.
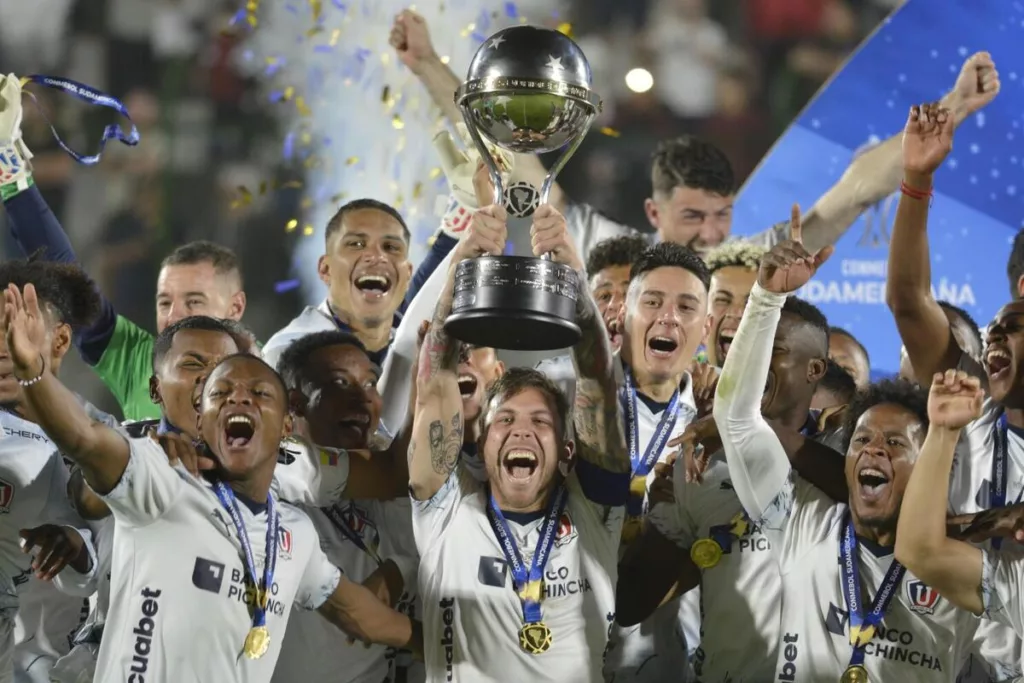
445, 444
439, 352
592, 356
598, 427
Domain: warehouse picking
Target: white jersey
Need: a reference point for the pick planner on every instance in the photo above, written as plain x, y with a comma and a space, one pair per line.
311, 650
657, 647
922, 637
471, 613
312, 319
1000, 655
44, 628
310, 475
159, 596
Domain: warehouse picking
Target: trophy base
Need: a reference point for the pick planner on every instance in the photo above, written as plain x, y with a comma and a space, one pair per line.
514, 303
513, 330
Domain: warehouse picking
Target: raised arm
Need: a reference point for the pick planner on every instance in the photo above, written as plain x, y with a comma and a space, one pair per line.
954, 568
437, 432
411, 40
874, 175
100, 451
922, 324
758, 463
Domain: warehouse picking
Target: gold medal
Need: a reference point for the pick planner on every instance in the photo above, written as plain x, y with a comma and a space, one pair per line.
257, 642
535, 639
854, 674
705, 553
638, 487
631, 528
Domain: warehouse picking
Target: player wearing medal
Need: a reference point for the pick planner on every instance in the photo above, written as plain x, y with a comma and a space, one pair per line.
702, 536
865, 616
333, 387
517, 574
990, 474
40, 534
250, 556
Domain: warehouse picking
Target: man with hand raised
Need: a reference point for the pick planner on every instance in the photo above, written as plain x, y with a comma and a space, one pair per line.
233, 539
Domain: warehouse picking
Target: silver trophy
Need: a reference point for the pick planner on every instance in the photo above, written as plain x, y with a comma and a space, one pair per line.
527, 91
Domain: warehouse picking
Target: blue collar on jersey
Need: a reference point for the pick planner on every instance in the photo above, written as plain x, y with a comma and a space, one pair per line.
377, 357
165, 427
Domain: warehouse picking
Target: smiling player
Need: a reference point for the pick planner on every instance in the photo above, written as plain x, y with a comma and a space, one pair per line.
249, 555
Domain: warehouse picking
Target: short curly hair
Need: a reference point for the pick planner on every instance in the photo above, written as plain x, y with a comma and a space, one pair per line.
292, 364
838, 381
67, 292
688, 161
895, 391
735, 253
615, 251
670, 254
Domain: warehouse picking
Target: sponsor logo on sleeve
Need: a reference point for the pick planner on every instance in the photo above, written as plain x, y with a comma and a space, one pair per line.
6, 496
143, 634
448, 636
492, 571
922, 598
208, 575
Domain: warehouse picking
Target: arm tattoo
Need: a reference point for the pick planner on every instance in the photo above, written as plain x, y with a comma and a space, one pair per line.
439, 352
445, 444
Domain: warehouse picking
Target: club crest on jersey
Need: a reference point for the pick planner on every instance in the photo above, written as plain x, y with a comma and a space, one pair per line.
566, 531
923, 598
359, 521
284, 543
6, 496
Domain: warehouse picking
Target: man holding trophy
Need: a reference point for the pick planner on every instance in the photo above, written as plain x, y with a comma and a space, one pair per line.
517, 572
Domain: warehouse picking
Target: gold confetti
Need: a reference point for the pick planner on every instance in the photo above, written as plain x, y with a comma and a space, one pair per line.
610, 132
263, 188
397, 123
435, 173
317, 8
335, 35
251, 8
313, 162
338, 197
244, 197
306, 138
306, 203
300, 104
288, 93
385, 94
292, 185
445, 59
565, 28
314, 31
307, 230
385, 58
351, 161
292, 224
417, 190
466, 31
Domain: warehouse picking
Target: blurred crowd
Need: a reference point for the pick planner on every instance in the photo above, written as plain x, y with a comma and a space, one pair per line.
748, 67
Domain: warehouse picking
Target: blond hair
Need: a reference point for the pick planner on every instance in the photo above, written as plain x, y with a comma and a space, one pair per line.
735, 253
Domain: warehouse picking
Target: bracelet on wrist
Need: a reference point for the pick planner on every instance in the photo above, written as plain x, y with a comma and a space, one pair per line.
915, 193
37, 378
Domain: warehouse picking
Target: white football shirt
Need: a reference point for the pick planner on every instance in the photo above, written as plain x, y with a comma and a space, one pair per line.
471, 613
177, 562
312, 319
1000, 655
658, 646
311, 649
922, 637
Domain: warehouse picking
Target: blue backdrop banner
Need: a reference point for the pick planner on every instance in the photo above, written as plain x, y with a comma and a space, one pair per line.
914, 57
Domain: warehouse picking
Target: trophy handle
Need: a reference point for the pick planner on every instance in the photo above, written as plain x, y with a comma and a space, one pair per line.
563, 159
485, 154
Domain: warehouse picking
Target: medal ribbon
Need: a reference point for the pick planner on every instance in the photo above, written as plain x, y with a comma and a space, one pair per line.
862, 627
529, 583
262, 596
643, 465
94, 97
1000, 469
337, 518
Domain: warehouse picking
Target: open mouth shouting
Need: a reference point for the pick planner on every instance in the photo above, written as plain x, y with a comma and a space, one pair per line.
373, 286
724, 344
239, 429
467, 385
614, 327
661, 347
520, 463
873, 482
997, 362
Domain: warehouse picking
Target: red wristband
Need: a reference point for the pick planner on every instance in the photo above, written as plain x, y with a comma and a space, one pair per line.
913, 192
